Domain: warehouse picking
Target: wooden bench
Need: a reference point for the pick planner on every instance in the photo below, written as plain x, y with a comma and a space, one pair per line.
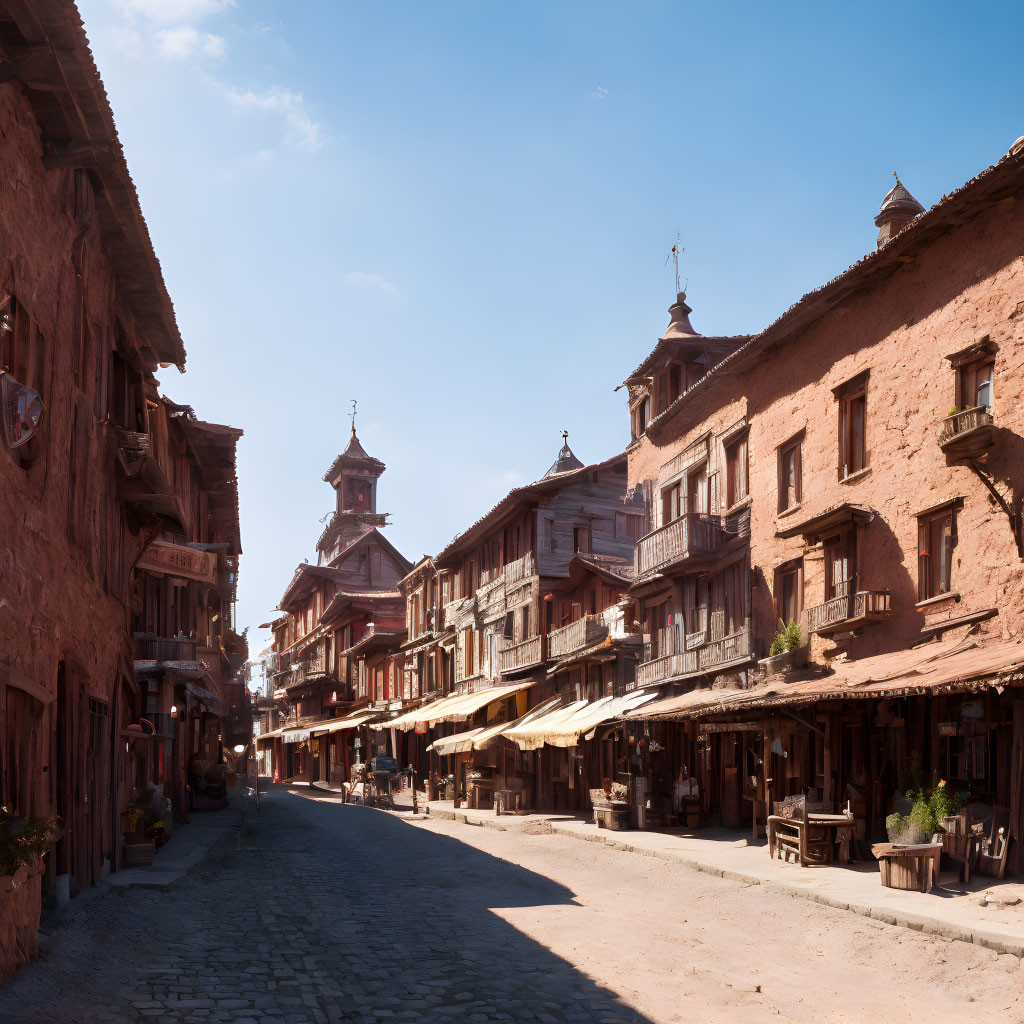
791, 834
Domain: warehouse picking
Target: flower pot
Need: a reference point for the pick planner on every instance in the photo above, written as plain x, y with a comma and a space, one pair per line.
786, 661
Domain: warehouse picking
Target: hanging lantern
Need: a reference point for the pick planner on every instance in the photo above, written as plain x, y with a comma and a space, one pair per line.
21, 410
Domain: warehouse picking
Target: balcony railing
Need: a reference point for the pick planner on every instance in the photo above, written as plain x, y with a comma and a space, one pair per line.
520, 569
149, 647
734, 647
668, 666
966, 433
696, 620
691, 534
576, 636
522, 655
132, 450
848, 610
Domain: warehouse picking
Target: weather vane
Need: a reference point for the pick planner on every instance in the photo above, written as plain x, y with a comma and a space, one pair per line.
353, 414
565, 436
674, 257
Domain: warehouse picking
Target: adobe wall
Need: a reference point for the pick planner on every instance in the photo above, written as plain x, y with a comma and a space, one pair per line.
967, 284
55, 601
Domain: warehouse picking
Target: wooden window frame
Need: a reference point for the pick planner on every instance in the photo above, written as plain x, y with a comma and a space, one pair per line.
935, 580
852, 453
794, 569
967, 378
793, 445
737, 469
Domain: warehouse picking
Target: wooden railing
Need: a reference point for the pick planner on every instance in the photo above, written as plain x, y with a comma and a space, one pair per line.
855, 605
520, 568
575, 636
666, 667
688, 535
522, 655
960, 423
696, 625
686, 458
727, 649
149, 647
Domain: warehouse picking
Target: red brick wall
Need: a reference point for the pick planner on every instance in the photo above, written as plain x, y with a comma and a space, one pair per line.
968, 284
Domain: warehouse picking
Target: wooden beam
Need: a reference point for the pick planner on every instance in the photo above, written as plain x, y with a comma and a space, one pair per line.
803, 722
12, 677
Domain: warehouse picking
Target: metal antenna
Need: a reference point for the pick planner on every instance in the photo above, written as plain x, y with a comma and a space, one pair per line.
674, 257
353, 414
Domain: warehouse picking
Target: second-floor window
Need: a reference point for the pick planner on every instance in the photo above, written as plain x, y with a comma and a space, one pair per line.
629, 526
790, 472
581, 540
788, 593
853, 405
736, 471
935, 539
838, 571
974, 383
671, 502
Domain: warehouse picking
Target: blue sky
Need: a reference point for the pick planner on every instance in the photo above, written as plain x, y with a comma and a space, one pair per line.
458, 212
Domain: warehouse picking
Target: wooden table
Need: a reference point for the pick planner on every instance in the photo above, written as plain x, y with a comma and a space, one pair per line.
908, 867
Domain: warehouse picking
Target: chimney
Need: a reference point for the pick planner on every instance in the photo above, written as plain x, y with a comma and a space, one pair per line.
898, 209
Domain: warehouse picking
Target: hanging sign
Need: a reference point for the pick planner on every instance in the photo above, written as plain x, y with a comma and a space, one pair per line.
179, 560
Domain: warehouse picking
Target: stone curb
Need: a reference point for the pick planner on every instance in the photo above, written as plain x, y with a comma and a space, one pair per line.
989, 938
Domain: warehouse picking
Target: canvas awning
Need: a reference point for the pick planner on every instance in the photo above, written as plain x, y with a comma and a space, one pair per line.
477, 739
563, 726
338, 724
295, 736
958, 664
456, 708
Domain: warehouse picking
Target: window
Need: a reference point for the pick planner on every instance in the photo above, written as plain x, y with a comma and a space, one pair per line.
736, 471
641, 414
790, 476
838, 580
935, 540
788, 593
853, 455
671, 502
629, 526
974, 383
698, 492
581, 540
375, 566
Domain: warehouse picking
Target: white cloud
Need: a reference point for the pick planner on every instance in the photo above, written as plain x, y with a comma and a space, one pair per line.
369, 281
599, 93
303, 131
174, 12
184, 41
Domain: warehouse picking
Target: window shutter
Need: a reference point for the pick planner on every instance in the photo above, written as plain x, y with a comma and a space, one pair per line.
923, 562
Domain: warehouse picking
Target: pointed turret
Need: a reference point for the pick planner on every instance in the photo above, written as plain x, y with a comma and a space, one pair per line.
566, 461
354, 474
679, 326
898, 209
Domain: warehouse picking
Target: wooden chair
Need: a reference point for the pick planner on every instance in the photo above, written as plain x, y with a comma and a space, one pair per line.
791, 835
987, 853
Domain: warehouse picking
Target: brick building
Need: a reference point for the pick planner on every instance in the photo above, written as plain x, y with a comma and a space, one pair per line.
858, 468
94, 476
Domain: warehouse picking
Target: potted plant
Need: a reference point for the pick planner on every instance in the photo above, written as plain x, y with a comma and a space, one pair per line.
23, 841
788, 650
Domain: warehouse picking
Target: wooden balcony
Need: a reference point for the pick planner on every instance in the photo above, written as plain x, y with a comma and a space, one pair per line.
736, 647
691, 535
149, 647
670, 666
848, 611
696, 625
522, 655
132, 450
968, 434
577, 635
520, 569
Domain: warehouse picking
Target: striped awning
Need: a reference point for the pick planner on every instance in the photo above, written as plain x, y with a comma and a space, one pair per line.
456, 708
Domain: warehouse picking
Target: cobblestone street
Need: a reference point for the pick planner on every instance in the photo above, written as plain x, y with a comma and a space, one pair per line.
328, 912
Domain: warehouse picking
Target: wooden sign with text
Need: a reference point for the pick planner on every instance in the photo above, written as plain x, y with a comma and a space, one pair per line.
178, 560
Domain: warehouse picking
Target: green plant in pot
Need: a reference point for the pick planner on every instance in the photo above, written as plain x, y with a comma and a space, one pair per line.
787, 639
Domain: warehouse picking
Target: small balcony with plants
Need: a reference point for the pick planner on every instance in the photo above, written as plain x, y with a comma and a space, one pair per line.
967, 434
